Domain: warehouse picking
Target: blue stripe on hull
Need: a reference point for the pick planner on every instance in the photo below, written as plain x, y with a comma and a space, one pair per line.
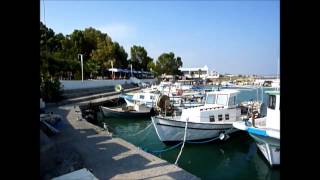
257, 131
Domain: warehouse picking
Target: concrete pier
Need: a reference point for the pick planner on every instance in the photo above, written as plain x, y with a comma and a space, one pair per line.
106, 157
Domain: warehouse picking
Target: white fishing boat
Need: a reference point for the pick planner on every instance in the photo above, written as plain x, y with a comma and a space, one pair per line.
128, 111
266, 130
146, 98
211, 120
168, 87
178, 99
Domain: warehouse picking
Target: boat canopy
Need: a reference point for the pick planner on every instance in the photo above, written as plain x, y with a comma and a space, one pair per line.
273, 92
225, 91
115, 70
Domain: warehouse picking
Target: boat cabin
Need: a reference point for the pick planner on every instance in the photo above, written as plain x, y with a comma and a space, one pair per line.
226, 98
220, 107
273, 110
145, 98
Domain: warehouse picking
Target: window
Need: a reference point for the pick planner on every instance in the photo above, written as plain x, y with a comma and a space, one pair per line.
141, 96
211, 99
220, 117
211, 118
222, 99
226, 116
272, 102
151, 97
232, 101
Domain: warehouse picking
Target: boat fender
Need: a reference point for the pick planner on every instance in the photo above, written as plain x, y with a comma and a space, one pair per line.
104, 126
221, 136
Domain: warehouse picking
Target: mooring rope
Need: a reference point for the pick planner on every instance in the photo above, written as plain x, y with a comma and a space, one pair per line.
139, 132
184, 140
177, 145
202, 142
164, 150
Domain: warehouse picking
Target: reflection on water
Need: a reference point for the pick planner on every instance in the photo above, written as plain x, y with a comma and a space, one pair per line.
236, 158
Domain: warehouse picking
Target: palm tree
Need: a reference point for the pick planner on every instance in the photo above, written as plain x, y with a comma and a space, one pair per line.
192, 74
199, 72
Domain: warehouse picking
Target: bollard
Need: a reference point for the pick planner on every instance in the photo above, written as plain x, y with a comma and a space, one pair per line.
104, 126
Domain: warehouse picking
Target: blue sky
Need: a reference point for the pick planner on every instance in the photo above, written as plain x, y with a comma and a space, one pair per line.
229, 36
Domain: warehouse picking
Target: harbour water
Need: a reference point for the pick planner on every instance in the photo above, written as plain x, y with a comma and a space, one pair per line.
236, 158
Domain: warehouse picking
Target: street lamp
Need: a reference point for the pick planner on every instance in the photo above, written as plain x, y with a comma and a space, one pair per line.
81, 58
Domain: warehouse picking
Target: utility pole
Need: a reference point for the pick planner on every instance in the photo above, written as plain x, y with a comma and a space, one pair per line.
112, 69
81, 58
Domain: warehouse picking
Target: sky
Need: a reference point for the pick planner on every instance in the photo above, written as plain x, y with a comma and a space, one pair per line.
239, 37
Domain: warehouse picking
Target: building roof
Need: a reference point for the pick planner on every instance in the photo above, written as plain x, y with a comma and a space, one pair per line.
204, 68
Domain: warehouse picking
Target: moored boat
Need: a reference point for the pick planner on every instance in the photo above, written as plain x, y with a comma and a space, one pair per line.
136, 111
266, 130
209, 121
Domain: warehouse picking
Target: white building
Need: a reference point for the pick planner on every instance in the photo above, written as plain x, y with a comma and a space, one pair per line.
274, 82
194, 72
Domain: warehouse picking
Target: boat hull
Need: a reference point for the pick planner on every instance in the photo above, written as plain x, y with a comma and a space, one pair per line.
267, 140
173, 130
270, 148
108, 112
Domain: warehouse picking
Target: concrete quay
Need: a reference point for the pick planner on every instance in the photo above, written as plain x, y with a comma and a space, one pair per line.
106, 157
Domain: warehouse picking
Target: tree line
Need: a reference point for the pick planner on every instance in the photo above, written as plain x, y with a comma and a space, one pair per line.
59, 55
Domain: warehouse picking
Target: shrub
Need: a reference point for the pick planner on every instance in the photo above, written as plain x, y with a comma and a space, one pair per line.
51, 90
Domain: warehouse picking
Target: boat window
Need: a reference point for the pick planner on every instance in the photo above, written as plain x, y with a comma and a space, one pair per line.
222, 99
226, 116
220, 117
211, 118
152, 97
141, 96
272, 102
232, 100
211, 99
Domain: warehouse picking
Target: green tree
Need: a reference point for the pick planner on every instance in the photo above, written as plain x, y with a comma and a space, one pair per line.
168, 64
104, 53
91, 69
120, 56
139, 58
45, 35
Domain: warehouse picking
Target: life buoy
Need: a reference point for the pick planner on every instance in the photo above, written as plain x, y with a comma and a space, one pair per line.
118, 88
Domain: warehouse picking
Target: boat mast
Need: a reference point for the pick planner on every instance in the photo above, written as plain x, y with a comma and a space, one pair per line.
278, 73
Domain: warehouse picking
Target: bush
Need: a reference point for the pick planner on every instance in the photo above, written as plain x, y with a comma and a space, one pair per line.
51, 90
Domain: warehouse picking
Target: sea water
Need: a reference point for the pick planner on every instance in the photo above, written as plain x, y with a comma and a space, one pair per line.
236, 158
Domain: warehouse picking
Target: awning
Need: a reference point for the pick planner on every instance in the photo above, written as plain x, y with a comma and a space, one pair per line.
115, 70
